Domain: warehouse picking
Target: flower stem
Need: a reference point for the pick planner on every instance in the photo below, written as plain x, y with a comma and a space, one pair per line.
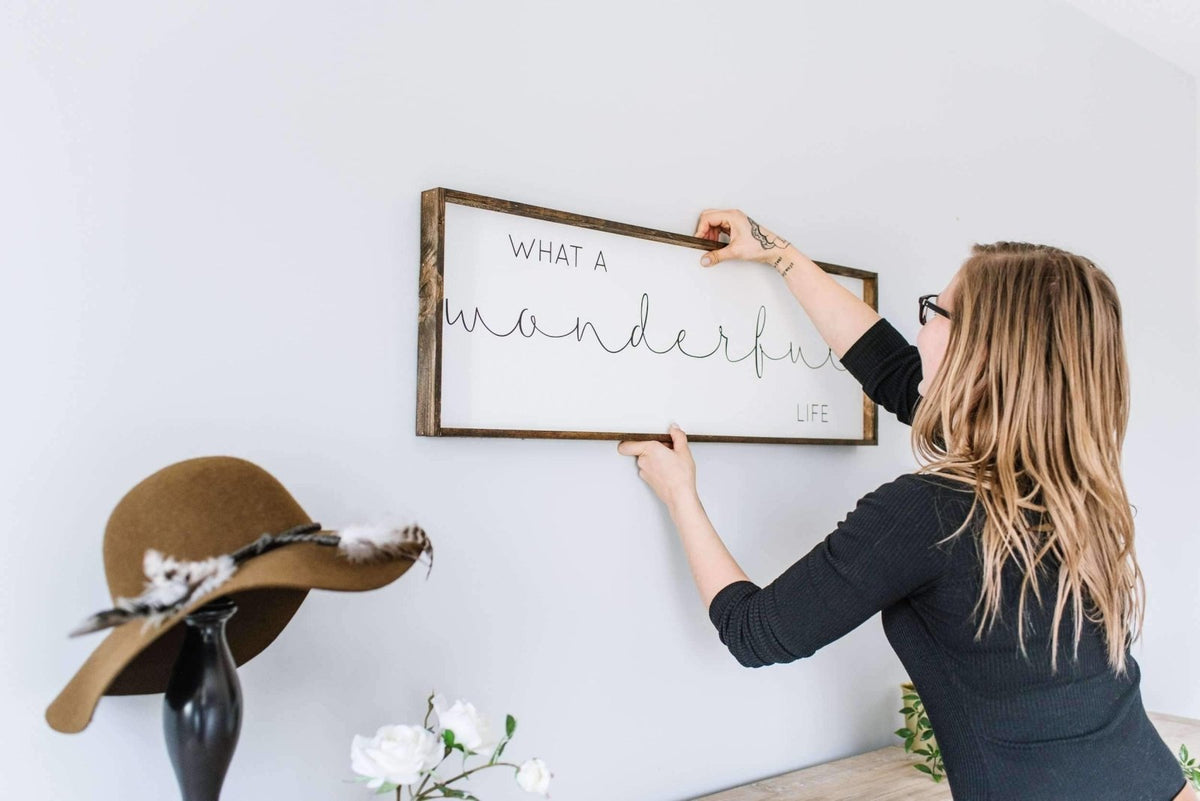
464, 774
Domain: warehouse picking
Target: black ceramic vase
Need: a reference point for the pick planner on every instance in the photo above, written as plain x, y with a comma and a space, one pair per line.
202, 710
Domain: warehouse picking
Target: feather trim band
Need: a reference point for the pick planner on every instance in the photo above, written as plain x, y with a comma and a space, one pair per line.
172, 584
379, 543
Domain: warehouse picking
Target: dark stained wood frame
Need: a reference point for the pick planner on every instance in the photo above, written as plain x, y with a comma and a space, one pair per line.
429, 319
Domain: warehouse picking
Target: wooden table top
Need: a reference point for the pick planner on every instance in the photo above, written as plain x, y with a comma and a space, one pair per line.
888, 775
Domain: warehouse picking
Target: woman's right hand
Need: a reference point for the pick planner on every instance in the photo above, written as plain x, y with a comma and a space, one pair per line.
748, 241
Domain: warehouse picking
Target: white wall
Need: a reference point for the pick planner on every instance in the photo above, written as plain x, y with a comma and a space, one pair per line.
210, 245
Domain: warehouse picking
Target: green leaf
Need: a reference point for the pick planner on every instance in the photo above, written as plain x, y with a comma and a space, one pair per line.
910, 697
449, 791
904, 732
924, 769
922, 751
908, 710
510, 725
925, 735
448, 736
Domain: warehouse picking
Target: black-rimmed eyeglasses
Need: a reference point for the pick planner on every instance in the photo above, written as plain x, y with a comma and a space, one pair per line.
924, 303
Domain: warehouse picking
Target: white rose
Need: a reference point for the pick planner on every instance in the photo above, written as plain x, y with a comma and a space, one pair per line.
469, 727
396, 754
534, 776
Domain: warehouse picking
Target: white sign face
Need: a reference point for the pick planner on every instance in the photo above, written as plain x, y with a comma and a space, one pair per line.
552, 327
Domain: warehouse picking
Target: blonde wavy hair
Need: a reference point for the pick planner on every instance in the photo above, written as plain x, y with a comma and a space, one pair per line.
1029, 408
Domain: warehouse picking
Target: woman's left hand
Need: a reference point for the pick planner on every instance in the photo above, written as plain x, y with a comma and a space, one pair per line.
670, 471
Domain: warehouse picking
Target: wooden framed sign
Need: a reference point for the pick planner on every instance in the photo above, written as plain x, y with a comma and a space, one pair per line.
541, 323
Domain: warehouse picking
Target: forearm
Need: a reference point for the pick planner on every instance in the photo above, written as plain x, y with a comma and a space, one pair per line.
713, 568
838, 314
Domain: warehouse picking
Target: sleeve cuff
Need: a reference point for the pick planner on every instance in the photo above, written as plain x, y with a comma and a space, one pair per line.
882, 338
726, 597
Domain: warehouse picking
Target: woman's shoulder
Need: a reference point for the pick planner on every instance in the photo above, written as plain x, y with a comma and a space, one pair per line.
923, 498
926, 486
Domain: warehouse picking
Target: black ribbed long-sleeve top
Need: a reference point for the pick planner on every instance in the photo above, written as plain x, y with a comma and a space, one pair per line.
1007, 728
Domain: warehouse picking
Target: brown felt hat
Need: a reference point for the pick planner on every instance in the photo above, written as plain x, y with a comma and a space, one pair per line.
193, 510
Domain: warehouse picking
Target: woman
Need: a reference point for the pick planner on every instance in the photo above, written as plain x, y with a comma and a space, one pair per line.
1017, 394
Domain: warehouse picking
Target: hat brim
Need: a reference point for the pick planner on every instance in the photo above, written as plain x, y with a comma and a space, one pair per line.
268, 588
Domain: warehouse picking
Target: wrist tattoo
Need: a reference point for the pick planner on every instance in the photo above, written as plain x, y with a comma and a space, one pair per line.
767, 242
784, 272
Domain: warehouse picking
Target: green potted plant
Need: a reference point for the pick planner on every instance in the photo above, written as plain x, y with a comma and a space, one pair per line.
1191, 771
918, 734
